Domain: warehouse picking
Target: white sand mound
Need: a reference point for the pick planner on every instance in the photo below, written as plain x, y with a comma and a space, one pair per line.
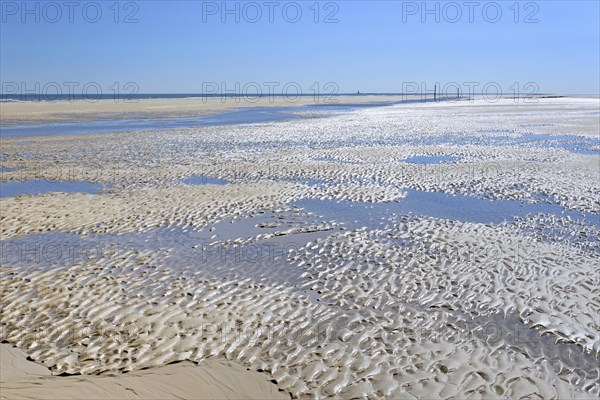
22, 379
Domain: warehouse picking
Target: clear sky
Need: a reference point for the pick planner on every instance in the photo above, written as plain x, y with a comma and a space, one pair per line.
180, 46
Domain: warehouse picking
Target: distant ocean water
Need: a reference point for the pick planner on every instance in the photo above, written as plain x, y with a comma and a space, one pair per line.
40, 97
12, 97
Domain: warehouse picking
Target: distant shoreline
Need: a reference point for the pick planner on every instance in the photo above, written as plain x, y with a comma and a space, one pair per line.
38, 112
43, 98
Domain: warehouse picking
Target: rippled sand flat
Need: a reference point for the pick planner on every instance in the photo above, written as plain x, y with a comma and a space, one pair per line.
317, 254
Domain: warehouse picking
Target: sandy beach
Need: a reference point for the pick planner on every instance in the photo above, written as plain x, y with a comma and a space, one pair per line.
423, 250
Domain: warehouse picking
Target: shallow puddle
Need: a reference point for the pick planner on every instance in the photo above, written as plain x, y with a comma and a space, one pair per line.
256, 247
34, 187
573, 143
588, 152
314, 182
433, 204
561, 355
430, 159
332, 160
239, 116
204, 180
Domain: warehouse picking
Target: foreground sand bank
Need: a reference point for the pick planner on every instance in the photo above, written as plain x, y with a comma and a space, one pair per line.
23, 379
12, 113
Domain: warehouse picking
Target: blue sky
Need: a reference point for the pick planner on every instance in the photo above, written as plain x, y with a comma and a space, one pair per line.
176, 46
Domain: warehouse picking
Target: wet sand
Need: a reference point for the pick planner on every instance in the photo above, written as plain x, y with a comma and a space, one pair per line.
304, 256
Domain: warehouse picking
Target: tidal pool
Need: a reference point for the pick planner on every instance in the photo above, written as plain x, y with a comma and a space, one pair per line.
204, 180
34, 187
434, 204
430, 159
